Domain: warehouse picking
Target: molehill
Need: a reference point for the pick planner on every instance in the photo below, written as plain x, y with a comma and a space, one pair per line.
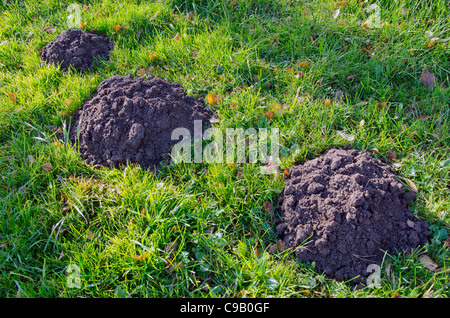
131, 120
76, 48
343, 210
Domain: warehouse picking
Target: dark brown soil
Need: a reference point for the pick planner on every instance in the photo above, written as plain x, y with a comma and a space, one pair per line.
132, 119
347, 209
76, 48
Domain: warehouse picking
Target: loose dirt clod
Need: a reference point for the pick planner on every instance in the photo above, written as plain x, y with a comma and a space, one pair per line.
77, 48
344, 210
131, 120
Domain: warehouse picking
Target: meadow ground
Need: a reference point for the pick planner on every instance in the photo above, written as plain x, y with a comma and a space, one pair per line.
206, 230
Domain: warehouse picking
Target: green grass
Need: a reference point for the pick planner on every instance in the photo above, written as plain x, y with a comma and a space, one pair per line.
117, 225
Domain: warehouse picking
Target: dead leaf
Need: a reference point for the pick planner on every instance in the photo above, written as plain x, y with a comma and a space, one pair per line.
423, 116
171, 249
210, 230
392, 155
211, 99
47, 166
428, 293
269, 114
304, 64
368, 52
336, 13
410, 223
141, 257
388, 271
381, 105
339, 97
305, 291
268, 208
272, 249
176, 37
277, 107
327, 102
271, 167
243, 293
4, 244
427, 79
411, 185
297, 74
431, 42
49, 29
138, 33
117, 27
12, 97
89, 235
214, 120
66, 208
175, 265
153, 56
142, 71
428, 262
430, 22
447, 242
281, 245
375, 150
361, 123
342, 3
350, 77
31, 158
305, 12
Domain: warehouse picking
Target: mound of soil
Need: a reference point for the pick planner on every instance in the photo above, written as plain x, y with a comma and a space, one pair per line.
344, 210
76, 48
131, 120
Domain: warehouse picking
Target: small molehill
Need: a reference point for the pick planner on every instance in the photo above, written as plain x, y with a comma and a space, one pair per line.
76, 48
131, 120
346, 209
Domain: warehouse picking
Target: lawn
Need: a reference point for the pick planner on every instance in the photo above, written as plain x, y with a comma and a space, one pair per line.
206, 229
